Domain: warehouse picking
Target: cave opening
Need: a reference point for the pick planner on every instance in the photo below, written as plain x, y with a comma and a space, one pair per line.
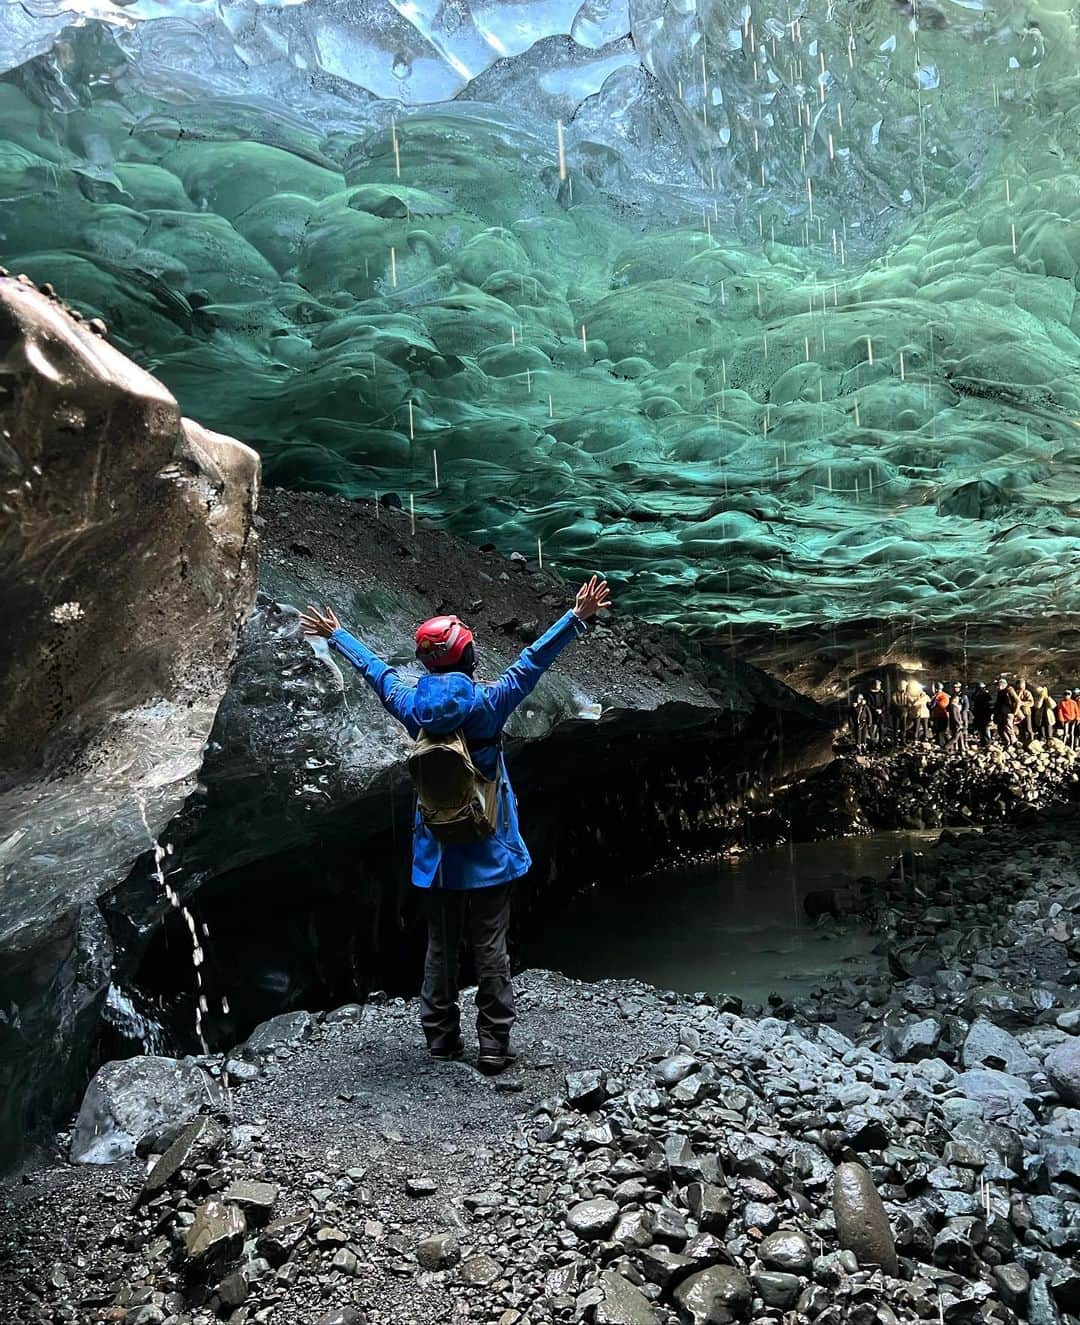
334, 919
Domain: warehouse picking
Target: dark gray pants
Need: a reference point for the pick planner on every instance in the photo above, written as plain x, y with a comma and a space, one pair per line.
487, 912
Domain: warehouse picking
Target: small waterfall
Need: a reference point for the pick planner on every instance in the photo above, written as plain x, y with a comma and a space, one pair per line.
131, 1024
197, 954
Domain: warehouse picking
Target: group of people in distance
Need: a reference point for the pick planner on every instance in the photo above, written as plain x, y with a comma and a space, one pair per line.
954, 716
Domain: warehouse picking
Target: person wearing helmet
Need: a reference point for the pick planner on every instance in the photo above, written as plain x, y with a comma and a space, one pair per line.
466, 883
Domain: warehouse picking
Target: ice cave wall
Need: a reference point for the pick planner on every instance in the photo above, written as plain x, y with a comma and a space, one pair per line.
785, 333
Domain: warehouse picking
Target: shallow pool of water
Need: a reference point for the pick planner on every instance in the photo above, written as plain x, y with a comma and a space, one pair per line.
738, 926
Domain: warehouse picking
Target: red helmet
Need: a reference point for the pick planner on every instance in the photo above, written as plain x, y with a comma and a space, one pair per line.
441, 641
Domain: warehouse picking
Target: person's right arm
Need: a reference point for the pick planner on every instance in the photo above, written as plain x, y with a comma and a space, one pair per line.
394, 694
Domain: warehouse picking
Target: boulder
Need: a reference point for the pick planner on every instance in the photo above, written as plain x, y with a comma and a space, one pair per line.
216, 1232
593, 1219
787, 1250
988, 1045
110, 681
586, 1089
777, 1289
1001, 1094
255, 1198
1063, 1068
670, 1071
715, 1296
278, 1240
480, 1270
126, 1100
862, 1225
279, 1032
622, 1303
201, 1140
913, 1039
439, 1252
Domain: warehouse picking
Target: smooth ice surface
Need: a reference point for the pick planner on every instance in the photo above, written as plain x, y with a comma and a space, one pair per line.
788, 334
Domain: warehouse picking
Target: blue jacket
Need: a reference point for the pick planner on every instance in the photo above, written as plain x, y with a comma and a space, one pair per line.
444, 703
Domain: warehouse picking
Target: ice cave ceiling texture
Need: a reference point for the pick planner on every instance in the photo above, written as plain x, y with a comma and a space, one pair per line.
787, 331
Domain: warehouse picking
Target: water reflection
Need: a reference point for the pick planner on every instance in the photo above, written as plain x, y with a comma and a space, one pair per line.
738, 925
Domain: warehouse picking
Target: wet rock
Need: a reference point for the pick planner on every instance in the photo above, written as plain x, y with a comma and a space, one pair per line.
956, 1245
128, 1099
988, 1045
593, 1219
913, 1039
777, 1289
346, 1316
480, 1270
439, 1252
681, 1160
1041, 1308
278, 1033
256, 1199
670, 1071
787, 1250
1063, 1068
861, 1222
664, 1267
1001, 1094
421, 1185
1012, 1283
586, 1090
715, 1296
277, 1240
669, 1227
218, 1231
199, 1142
622, 1303
710, 1206
633, 1229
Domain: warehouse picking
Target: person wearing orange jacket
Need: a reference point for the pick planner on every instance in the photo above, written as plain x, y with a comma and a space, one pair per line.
1068, 715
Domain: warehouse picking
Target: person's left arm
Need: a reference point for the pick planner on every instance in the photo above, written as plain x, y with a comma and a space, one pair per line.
394, 694
521, 677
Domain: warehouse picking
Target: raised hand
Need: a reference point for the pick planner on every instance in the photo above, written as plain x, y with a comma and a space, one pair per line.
593, 596
316, 623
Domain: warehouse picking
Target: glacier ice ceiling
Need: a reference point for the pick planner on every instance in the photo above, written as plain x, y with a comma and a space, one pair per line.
768, 310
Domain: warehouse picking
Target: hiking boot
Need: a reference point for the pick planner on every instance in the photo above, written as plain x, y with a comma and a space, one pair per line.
448, 1054
493, 1061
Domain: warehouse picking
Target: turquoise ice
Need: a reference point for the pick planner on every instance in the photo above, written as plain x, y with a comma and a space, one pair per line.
769, 312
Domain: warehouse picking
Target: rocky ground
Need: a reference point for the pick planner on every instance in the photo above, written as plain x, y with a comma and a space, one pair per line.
925, 786
900, 1147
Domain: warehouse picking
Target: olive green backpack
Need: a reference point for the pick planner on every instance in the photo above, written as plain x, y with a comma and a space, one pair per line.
457, 803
